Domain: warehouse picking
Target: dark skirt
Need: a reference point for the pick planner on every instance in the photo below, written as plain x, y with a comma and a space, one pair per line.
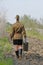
17, 42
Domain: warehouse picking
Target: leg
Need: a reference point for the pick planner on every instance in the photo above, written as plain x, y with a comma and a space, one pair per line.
20, 51
16, 51
16, 47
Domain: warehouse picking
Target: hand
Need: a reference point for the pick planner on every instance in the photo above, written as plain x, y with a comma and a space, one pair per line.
25, 40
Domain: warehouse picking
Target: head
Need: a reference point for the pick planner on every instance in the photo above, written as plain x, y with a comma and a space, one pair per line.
17, 17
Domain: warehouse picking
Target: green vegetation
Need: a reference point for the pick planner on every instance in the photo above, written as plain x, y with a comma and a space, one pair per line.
7, 61
35, 34
5, 47
34, 25
8, 27
30, 22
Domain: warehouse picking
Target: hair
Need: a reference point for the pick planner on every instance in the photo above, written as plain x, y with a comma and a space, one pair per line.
17, 17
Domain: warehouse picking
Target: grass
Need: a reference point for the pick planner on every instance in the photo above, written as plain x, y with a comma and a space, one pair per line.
34, 33
5, 47
7, 61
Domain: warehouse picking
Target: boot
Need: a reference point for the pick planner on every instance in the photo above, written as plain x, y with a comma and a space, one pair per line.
17, 54
20, 54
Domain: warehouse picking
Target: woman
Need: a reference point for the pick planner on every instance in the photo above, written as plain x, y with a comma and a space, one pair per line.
18, 32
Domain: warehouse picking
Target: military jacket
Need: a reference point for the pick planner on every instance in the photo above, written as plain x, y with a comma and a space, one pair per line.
18, 31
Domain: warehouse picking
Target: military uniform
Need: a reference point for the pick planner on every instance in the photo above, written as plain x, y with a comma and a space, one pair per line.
18, 31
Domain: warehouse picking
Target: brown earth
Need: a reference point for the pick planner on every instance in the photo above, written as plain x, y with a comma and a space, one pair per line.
36, 45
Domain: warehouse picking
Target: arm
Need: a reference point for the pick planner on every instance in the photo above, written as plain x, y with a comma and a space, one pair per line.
24, 32
12, 33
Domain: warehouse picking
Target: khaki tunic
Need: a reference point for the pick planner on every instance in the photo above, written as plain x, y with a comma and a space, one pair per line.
18, 31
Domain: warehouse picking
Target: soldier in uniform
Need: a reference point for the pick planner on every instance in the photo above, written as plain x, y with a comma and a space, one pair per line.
18, 32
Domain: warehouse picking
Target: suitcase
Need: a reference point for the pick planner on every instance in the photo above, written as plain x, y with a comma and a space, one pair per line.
25, 46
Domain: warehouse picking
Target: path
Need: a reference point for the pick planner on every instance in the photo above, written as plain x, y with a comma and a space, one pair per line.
28, 59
